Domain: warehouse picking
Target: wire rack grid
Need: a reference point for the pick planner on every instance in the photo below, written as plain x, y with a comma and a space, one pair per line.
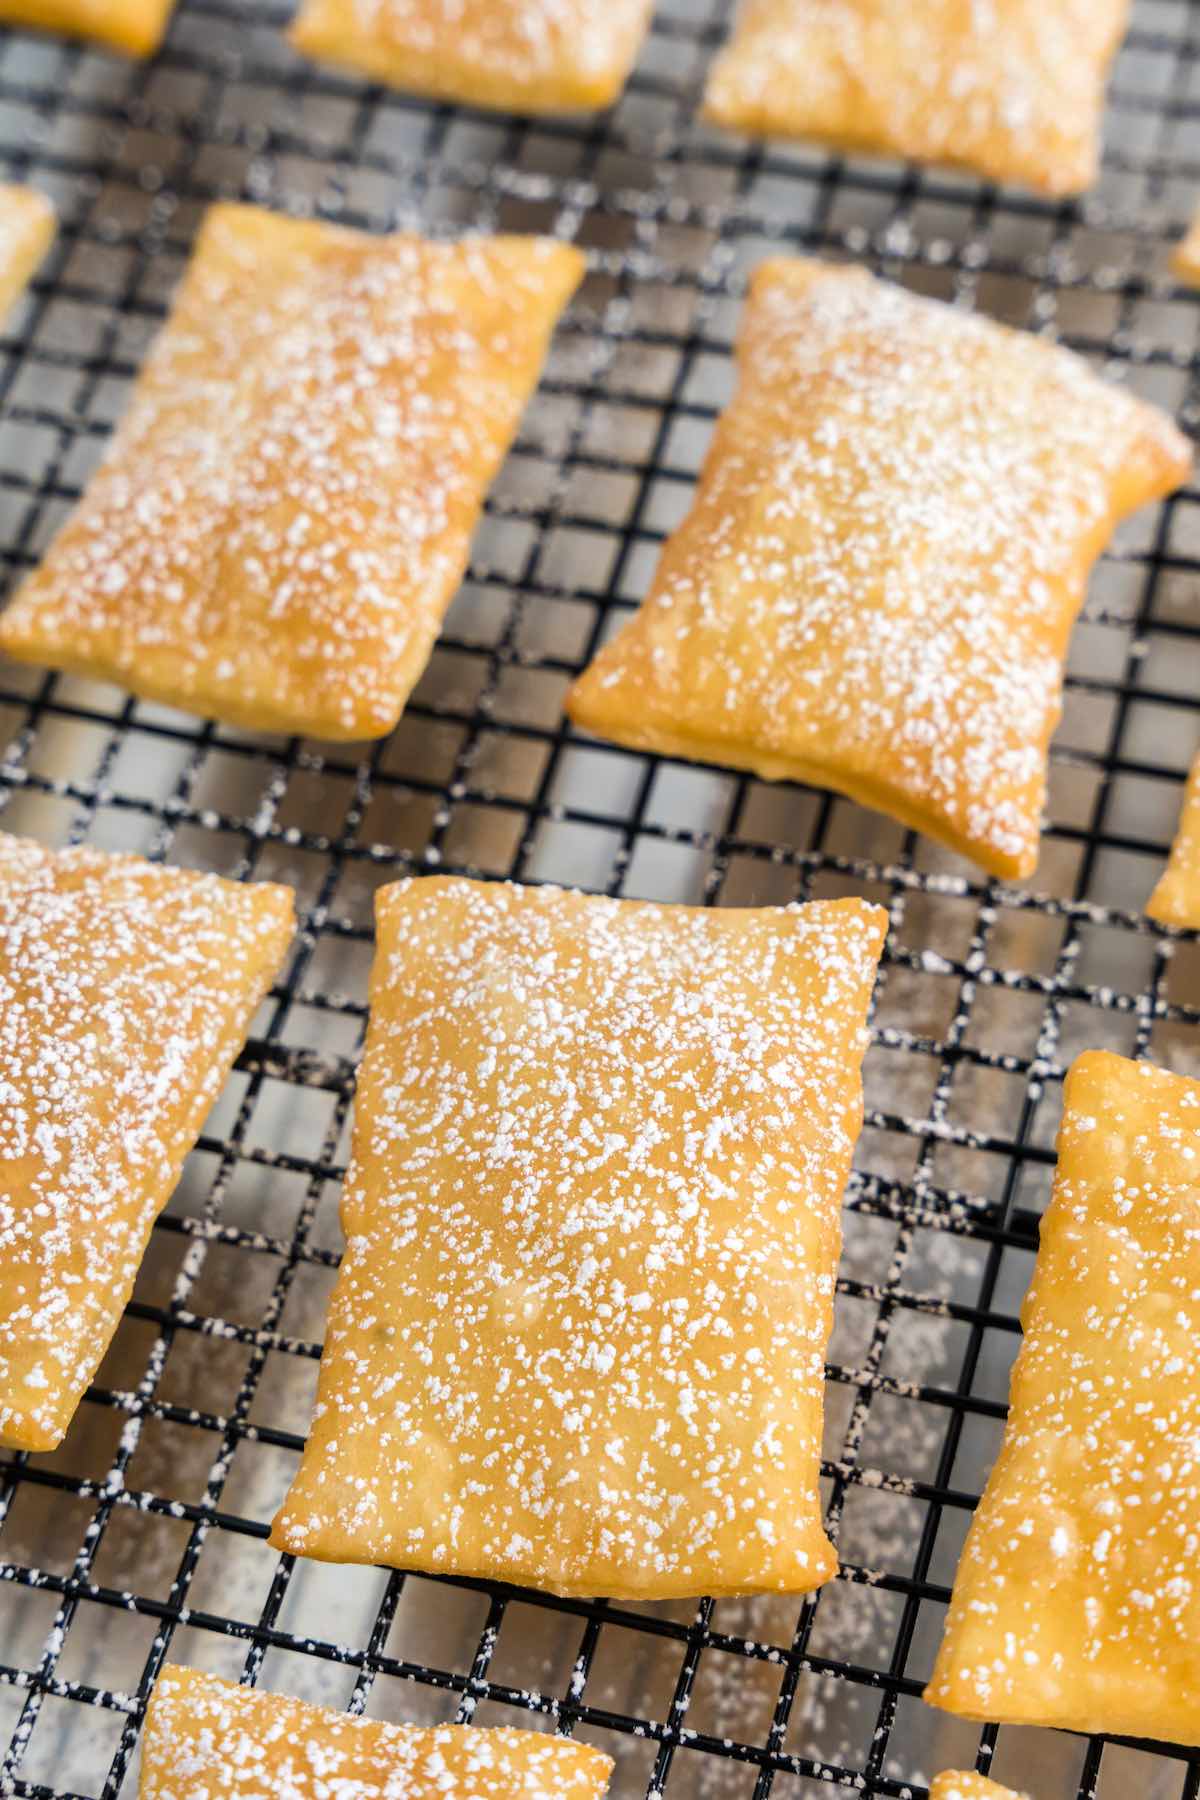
142, 1538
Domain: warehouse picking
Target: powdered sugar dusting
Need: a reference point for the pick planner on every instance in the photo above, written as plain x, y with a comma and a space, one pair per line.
126, 990
26, 230
286, 511
538, 55
890, 543
592, 1224
1076, 1601
959, 1784
211, 1740
1012, 89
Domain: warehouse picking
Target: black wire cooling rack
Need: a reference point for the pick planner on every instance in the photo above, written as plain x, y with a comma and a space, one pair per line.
143, 1538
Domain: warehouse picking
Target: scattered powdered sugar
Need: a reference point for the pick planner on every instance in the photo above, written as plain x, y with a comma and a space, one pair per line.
126, 990
592, 1225
286, 510
544, 53
1010, 88
207, 1739
1076, 1601
890, 543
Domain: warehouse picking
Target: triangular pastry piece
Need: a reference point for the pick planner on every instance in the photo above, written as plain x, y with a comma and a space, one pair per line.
538, 56
890, 541
592, 1222
126, 991
1012, 90
136, 27
27, 227
286, 511
1075, 1603
1176, 898
208, 1739
959, 1784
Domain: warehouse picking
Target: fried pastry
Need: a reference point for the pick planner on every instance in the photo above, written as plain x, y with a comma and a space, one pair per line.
1176, 898
135, 26
891, 538
1186, 260
287, 509
537, 56
1012, 90
126, 991
27, 228
959, 1784
592, 1223
1075, 1602
209, 1739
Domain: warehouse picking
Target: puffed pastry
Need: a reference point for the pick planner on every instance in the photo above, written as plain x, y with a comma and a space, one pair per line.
959, 1784
890, 542
537, 56
126, 991
1075, 1603
208, 1739
136, 27
1012, 90
1176, 897
287, 509
1186, 259
592, 1223
27, 227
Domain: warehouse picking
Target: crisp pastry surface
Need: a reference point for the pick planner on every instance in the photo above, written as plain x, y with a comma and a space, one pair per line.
126, 991
1186, 260
527, 55
1176, 898
1010, 89
1075, 1603
890, 541
286, 511
27, 227
962, 1784
592, 1223
135, 26
208, 1739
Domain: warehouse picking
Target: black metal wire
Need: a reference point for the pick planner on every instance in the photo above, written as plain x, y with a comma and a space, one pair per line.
665, 209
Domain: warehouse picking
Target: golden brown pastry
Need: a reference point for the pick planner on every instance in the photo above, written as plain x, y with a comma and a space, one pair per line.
959, 1784
135, 26
1176, 898
891, 539
286, 511
538, 56
27, 227
592, 1222
126, 991
1075, 1602
208, 1739
1010, 89
1186, 260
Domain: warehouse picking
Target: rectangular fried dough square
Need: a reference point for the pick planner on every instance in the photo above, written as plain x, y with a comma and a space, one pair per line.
1186, 258
27, 228
136, 27
1176, 897
890, 541
1075, 1602
126, 991
958, 1784
208, 1739
286, 511
537, 56
1012, 90
592, 1222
